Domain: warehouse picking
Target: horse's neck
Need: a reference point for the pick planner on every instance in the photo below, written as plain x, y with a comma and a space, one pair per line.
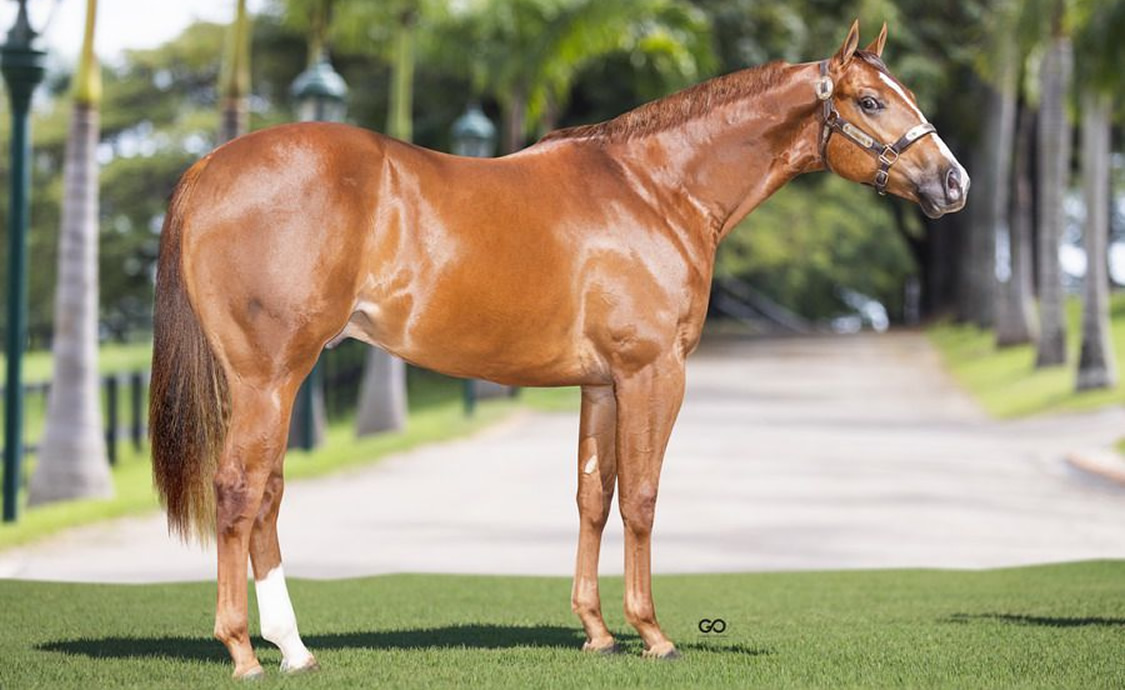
731, 159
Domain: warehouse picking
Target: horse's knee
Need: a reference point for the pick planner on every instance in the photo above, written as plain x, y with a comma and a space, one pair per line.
593, 509
638, 509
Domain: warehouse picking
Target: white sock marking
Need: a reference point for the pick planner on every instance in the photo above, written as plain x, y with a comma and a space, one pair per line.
279, 623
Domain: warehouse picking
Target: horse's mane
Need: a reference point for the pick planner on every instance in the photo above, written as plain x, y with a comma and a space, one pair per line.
680, 107
692, 102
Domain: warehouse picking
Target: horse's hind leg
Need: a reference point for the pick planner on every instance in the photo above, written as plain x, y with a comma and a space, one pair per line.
597, 471
278, 622
251, 454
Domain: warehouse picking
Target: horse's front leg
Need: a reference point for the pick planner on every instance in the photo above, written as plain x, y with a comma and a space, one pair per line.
256, 437
278, 621
647, 404
597, 471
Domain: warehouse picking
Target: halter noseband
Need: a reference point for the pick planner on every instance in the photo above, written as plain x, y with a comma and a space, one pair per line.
887, 155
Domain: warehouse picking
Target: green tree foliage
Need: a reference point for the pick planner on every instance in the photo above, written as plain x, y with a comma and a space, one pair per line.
567, 62
528, 54
813, 239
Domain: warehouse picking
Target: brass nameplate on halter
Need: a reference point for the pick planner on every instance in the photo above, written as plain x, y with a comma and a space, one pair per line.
858, 135
918, 131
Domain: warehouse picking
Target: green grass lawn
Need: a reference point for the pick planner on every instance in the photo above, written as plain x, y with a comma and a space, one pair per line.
112, 359
1049, 626
1006, 382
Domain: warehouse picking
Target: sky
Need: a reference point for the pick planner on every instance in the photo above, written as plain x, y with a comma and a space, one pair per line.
121, 24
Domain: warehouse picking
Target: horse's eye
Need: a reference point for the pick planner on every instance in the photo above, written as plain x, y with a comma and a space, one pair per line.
869, 104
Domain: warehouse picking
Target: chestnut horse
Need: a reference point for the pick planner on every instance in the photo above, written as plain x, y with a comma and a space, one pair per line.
584, 260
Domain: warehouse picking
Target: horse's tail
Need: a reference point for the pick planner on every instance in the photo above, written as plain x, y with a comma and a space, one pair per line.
188, 398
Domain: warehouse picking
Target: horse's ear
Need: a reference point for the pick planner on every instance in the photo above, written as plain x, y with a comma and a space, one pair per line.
877, 45
850, 44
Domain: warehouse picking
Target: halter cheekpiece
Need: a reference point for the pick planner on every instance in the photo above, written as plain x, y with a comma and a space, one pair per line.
886, 154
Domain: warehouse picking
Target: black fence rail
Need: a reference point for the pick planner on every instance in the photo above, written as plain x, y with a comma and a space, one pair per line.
124, 410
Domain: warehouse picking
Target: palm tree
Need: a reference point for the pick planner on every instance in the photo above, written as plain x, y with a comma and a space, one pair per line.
992, 198
1096, 366
1099, 61
530, 52
1054, 163
1016, 320
235, 82
72, 457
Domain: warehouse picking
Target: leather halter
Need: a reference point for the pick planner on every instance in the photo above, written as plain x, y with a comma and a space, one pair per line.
886, 154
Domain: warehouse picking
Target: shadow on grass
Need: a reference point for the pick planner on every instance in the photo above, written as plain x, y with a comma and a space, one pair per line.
449, 637
1043, 621
206, 649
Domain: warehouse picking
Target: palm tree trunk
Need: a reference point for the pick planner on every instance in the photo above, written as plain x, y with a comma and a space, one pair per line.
382, 394
72, 456
999, 138
978, 248
234, 118
382, 397
1054, 159
399, 122
1096, 366
514, 123
1016, 322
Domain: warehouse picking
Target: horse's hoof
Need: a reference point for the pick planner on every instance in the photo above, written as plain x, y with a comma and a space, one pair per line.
254, 673
666, 651
604, 648
308, 666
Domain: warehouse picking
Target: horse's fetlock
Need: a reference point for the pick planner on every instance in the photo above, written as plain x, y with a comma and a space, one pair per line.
230, 634
640, 614
278, 631
585, 607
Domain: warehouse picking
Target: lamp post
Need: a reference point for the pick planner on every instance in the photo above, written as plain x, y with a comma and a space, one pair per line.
474, 135
319, 93
23, 67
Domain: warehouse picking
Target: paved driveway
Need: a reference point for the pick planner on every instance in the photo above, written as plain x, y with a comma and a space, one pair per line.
815, 453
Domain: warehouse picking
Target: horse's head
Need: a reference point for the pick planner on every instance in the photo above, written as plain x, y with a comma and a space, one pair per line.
874, 133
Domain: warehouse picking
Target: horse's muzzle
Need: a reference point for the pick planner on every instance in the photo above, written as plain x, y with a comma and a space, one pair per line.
947, 196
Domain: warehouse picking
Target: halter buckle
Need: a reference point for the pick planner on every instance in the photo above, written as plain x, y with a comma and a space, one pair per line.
881, 179
888, 156
824, 87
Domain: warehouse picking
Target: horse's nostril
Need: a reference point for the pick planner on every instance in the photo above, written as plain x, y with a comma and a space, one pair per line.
953, 186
